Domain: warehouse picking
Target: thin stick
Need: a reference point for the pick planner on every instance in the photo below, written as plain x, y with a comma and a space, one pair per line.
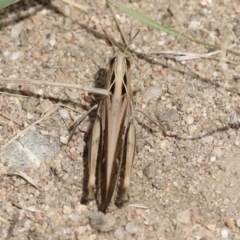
10, 118
66, 85
25, 177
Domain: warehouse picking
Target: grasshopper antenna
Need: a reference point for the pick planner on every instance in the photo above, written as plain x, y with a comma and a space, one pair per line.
127, 47
109, 38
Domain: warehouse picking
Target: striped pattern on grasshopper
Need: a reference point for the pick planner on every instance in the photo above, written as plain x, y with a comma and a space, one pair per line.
112, 143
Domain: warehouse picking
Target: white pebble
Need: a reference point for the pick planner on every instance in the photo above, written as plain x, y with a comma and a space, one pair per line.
224, 233
194, 24
237, 221
64, 139
63, 113
15, 56
81, 146
52, 41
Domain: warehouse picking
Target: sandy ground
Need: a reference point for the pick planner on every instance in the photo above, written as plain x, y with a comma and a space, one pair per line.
181, 188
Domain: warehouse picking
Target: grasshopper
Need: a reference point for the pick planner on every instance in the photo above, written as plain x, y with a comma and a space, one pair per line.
112, 142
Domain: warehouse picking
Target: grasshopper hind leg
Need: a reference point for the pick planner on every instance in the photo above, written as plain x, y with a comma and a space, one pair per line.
127, 162
95, 142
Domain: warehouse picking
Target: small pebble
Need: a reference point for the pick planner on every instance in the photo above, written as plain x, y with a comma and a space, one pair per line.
17, 29
67, 210
44, 106
172, 90
207, 139
194, 24
224, 233
81, 146
63, 113
189, 120
64, 139
237, 221
184, 217
131, 228
230, 223
218, 152
15, 56
119, 234
192, 129
52, 41
101, 222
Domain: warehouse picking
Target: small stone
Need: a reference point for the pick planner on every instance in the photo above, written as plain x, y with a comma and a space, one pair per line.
224, 233
131, 228
80, 231
164, 145
67, 11
230, 223
36, 19
81, 146
64, 139
44, 106
211, 227
189, 120
237, 221
140, 173
73, 156
52, 41
218, 152
150, 171
68, 36
63, 113
184, 217
172, 89
158, 185
15, 56
29, 104
119, 234
207, 139
194, 24
199, 67
81, 209
101, 222
192, 129
67, 210
17, 29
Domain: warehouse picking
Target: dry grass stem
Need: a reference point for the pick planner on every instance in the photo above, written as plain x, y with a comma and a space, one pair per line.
57, 84
10, 118
25, 177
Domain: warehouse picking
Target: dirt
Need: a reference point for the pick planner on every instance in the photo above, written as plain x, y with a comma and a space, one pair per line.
184, 187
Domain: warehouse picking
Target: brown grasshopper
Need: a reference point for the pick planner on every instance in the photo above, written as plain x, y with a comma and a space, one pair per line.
112, 143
